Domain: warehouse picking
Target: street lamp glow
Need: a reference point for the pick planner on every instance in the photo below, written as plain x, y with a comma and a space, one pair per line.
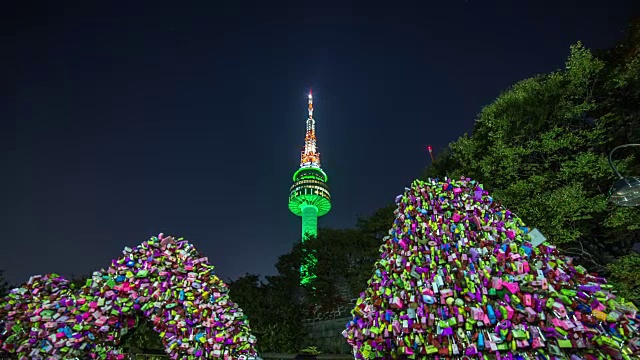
625, 191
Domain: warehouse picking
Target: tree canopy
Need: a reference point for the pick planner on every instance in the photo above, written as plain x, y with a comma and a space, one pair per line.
277, 305
4, 284
542, 146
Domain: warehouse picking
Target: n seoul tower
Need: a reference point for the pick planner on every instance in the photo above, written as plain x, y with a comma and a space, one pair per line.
309, 195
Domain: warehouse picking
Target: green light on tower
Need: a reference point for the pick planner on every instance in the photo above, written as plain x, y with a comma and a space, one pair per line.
309, 196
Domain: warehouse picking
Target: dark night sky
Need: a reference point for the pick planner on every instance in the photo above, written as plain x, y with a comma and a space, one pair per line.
127, 120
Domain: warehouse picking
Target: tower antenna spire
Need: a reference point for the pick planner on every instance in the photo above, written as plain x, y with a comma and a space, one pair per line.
310, 156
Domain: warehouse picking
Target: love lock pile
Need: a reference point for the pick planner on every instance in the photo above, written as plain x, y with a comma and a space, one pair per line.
163, 280
462, 277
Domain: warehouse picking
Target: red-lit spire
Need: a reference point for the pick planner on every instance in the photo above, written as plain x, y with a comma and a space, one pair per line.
310, 157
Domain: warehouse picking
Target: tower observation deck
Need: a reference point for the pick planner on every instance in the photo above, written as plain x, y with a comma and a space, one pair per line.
309, 195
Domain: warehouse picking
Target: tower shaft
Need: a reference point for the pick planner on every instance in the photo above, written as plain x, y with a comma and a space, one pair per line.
309, 222
309, 230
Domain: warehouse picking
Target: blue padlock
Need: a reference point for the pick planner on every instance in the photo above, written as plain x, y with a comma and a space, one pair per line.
491, 314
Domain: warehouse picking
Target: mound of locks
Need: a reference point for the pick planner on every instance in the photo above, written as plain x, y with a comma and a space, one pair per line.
461, 277
163, 280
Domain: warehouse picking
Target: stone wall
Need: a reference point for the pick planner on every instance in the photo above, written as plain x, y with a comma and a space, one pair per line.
343, 311
327, 336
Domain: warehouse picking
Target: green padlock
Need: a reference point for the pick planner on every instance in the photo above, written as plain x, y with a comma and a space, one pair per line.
468, 325
561, 331
565, 343
519, 334
565, 299
452, 321
503, 311
431, 349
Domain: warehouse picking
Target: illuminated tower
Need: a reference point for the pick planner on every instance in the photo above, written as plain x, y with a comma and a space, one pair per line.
309, 195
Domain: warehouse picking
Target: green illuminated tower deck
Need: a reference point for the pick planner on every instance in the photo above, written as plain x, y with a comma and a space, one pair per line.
309, 195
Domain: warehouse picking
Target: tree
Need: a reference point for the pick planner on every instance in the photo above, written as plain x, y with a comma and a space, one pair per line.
376, 226
619, 93
542, 147
443, 164
4, 285
372, 230
277, 305
142, 339
339, 254
274, 306
624, 275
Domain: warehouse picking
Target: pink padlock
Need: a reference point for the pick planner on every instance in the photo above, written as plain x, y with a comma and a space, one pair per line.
569, 324
485, 320
512, 287
559, 308
510, 312
531, 314
446, 293
558, 323
496, 283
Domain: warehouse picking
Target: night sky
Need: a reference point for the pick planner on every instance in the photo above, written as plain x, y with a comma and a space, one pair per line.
127, 119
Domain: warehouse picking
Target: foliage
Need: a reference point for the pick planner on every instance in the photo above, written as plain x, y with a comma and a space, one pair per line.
443, 164
4, 284
277, 306
311, 350
345, 260
541, 147
624, 276
376, 226
273, 307
142, 338
372, 230
78, 281
619, 93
